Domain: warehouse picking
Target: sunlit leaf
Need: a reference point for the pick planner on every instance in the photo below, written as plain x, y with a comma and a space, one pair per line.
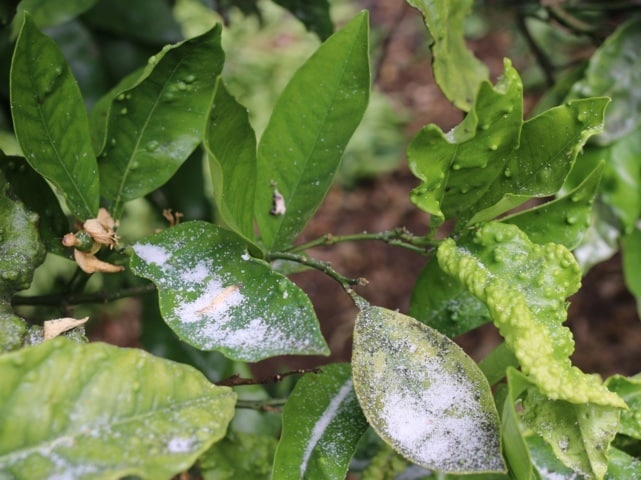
313, 120
423, 395
322, 423
105, 413
51, 122
215, 296
457, 71
614, 71
154, 126
524, 286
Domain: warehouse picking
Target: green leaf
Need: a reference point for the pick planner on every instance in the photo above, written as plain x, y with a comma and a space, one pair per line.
109, 413
524, 286
150, 21
629, 389
322, 423
239, 455
231, 146
440, 301
50, 121
310, 126
20, 248
457, 71
631, 253
49, 12
215, 296
515, 447
154, 126
615, 71
622, 466
314, 15
563, 220
493, 161
423, 395
578, 434
601, 239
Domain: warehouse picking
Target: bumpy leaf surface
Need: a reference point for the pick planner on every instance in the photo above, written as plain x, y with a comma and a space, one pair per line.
423, 395
154, 126
524, 286
104, 412
322, 423
456, 70
50, 121
314, 118
493, 161
215, 296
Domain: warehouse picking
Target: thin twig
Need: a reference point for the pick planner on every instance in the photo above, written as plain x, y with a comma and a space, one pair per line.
236, 380
64, 299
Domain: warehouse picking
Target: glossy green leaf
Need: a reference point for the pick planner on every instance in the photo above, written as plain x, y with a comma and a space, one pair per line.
622, 466
601, 239
310, 126
440, 301
615, 71
524, 286
51, 122
493, 161
49, 12
631, 252
239, 456
20, 248
581, 433
150, 21
154, 126
457, 71
563, 220
215, 296
322, 423
423, 395
515, 448
628, 388
231, 146
109, 413
314, 15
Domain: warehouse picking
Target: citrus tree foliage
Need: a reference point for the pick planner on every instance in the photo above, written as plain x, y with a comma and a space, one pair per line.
114, 115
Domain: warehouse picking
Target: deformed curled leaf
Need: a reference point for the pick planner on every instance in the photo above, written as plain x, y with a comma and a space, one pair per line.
106, 412
423, 395
524, 286
215, 296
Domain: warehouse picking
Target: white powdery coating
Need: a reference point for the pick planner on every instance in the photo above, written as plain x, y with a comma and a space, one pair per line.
213, 304
152, 253
443, 422
180, 445
323, 422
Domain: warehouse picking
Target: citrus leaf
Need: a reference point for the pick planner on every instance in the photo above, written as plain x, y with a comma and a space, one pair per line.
622, 466
440, 301
629, 389
524, 286
457, 71
563, 220
614, 71
215, 296
423, 395
231, 146
49, 12
322, 423
109, 413
493, 161
314, 118
314, 15
50, 121
581, 433
155, 125
631, 253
